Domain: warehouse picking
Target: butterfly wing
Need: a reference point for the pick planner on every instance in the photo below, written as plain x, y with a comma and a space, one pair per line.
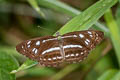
45, 50
78, 44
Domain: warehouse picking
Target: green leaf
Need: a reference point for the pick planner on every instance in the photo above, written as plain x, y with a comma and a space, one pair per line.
36, 7
64, 8
116, 76
114, 31
27, 64
118, 16
59, 6
89, 17
7, 60
7, 64
5, 75
108, 75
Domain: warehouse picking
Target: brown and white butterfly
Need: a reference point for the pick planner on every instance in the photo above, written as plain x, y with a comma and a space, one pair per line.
70, 47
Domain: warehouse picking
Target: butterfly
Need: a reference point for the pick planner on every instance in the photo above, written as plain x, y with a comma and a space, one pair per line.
71, 47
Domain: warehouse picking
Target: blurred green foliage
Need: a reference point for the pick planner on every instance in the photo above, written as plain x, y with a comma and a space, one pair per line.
21, 20
7, 63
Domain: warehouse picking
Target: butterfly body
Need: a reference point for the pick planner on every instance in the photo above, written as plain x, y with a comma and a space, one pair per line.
71, 47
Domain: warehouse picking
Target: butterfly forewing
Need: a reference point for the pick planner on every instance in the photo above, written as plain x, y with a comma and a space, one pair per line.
45, 50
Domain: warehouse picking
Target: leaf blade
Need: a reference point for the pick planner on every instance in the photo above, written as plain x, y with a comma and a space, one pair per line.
116, 76
34, 4
27, 64
64, 8
7, 63
86, 19
114, 31
108, 74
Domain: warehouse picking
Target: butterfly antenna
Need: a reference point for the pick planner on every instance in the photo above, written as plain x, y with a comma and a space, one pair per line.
46, 29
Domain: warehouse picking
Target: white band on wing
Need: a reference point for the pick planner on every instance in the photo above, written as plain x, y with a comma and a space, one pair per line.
58, 48
61, 37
